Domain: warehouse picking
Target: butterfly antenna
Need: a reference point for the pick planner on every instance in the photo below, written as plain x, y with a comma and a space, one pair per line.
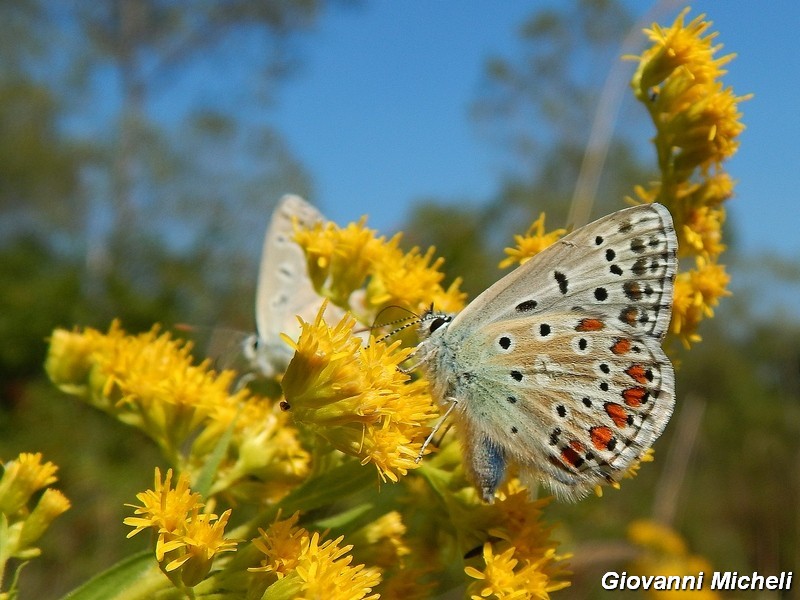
412, 314
409, 321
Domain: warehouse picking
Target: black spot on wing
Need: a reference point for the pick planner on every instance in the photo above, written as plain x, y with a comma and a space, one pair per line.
526, 306
563, 283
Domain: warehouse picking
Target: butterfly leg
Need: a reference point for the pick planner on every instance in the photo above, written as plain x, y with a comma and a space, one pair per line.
487, 463
435, 429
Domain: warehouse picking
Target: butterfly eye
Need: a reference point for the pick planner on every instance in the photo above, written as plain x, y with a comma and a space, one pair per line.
436, 323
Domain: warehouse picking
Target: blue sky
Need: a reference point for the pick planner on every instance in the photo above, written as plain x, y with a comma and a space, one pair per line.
379, 111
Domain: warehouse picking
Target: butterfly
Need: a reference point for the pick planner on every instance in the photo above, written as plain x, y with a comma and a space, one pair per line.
284, 290
558, 368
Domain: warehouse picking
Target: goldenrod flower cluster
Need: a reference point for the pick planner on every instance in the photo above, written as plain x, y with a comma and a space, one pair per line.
298, 564
357, 398
529, 245
662, 551
697, 123
521, 557
187, 540
23, 517
345, 406
346, 260
340, 450
148, 381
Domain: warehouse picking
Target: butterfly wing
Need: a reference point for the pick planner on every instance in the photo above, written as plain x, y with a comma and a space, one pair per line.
284, 288
573, 406
558, 366
623, 265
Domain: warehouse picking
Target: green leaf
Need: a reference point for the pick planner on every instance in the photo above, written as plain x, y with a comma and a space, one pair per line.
342, 481
135, 577
206, 477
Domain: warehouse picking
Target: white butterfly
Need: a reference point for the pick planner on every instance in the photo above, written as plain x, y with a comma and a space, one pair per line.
558, 367
284, 289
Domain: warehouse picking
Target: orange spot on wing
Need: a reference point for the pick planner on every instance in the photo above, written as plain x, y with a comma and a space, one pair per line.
633, 396
637, 372
621, 346
601, 436
576, 445
617, 414
629, 315
571, 457
590, 325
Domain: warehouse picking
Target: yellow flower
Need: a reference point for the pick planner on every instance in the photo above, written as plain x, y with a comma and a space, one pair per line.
697, 120
505, 577
383, 540
341, 260
163, 509
665, 552
149, 381
188, 540
696, 294
357, 398
338, 259
702, 230
306, 567
51, 504
679, 46
530, 244
194, 549
21, 478
410, 280
697, 124
520, 560
267, 455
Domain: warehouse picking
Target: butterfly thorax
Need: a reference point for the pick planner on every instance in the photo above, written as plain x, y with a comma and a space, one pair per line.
436, 350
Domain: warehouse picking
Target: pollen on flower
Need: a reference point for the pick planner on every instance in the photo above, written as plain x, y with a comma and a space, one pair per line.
698, 122
529, 245
318, 569
151, 382
357, 398
521, 555
187, 539
342, 259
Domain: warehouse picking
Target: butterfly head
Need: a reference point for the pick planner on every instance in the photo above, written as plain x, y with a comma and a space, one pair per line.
433, 322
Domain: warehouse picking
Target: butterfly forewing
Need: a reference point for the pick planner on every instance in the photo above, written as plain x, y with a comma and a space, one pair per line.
623, 264
558, 366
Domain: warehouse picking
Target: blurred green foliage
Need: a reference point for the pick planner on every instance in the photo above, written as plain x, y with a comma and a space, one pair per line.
89, 222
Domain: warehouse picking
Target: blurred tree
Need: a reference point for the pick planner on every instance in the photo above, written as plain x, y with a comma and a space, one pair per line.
187, 160
134, 138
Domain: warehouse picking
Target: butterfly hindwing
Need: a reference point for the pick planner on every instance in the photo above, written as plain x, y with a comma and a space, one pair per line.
604, 394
